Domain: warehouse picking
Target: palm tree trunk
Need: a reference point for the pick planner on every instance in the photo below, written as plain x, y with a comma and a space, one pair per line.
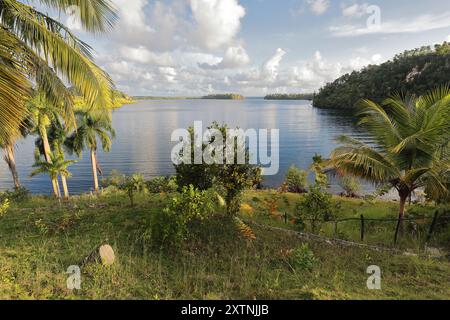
47, 153
56, 190
65, 187
94, 169
11, 161
401, 215
46, 144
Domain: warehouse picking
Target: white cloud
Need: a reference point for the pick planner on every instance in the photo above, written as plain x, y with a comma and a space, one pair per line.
422, 23
354, 10
358, 63
143, 55
270, 67
318, 6
168, 73
131, 13
73, 21
234, 57
217, 21
448, 38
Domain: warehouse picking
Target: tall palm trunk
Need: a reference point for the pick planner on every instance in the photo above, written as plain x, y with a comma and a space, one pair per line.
403, 199
65, 187
11, 161
56, 190
47, 153
94, 169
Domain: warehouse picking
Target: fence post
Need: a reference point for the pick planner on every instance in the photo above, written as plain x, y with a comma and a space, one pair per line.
362, 227
285, 218
432, 226
336, 228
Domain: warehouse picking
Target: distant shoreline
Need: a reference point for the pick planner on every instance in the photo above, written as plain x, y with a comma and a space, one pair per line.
300, 96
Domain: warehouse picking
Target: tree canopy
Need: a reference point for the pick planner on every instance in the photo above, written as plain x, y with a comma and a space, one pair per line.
415, 71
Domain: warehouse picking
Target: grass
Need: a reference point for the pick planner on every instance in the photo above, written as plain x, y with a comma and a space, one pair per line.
39, 240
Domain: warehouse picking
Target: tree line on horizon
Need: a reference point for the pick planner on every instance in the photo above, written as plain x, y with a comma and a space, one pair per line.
414, 71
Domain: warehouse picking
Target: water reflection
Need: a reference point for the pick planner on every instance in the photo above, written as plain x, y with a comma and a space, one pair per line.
144, 129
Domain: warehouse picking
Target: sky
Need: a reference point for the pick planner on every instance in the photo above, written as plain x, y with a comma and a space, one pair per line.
255, 47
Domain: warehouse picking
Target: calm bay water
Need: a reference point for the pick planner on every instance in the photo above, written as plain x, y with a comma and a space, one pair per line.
144, 129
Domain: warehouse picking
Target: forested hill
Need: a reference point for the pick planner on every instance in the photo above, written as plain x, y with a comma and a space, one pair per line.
414, 71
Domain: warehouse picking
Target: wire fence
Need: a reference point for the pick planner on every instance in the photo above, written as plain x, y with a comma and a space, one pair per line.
434, 221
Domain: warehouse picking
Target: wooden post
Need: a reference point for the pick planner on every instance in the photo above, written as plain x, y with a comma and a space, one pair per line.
432, 226
285, 218
362, 228
397, 230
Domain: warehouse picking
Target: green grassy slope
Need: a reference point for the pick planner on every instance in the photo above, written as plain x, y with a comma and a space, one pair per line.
39, 240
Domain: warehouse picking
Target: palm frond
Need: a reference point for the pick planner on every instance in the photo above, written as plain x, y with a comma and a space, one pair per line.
95, 15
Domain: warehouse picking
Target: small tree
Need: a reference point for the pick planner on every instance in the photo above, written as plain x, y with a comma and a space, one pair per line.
315, 208
350, 185
296, 180
170, 226
4, 206
232, 178
133, 185
57, 166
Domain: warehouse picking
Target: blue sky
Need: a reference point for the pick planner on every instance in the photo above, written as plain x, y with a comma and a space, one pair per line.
254, 47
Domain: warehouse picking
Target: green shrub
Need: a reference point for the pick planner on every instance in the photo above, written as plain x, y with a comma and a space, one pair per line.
315, 208
16, 195
120, 182
350, 185
115, 179
162, 185
296, 180
170, 226
4, 206
132, 185
232, 178
302, 259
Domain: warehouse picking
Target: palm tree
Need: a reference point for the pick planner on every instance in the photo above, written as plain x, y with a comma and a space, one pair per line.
92, 126
43, 114
9, 156
39, 51
7, 144
57, 166
409, 134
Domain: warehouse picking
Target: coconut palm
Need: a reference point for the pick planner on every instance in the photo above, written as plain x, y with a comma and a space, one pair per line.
91, 128
56, 135
43, 114
57, 166
39, 51
9, 156
409, 134
7, 144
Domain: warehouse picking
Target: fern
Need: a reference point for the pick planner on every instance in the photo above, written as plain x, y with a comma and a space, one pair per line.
245, 230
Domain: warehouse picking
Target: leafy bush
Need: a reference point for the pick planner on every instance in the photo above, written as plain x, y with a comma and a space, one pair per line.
115, 179
4, 206
170, 225
315, 208
16, 195
302, 259
296, 180
350, 185
132, 185
232, 178
162, 185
